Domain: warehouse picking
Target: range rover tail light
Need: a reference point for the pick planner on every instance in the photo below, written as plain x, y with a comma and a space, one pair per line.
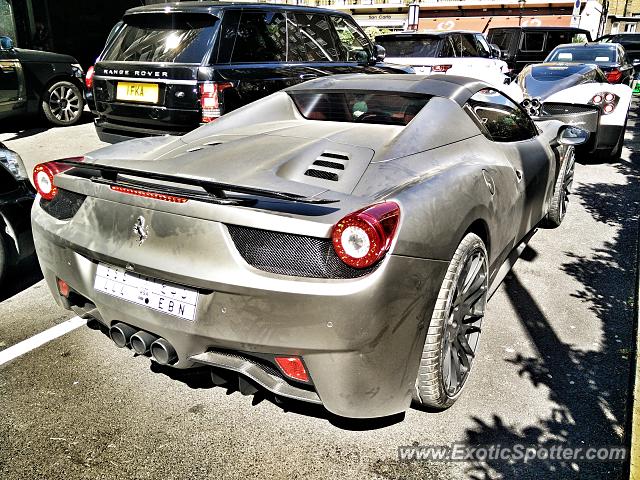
88, 79
210, 93
440, 68
614, 75
606, 100
43, 175
362, 238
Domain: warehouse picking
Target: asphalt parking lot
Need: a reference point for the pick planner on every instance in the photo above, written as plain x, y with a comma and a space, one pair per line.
554, 367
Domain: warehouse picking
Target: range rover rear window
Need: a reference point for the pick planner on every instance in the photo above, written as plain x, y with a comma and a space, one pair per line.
161, 37
359, 107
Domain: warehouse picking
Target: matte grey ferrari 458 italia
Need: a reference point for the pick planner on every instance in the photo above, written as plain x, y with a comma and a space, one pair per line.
335, 242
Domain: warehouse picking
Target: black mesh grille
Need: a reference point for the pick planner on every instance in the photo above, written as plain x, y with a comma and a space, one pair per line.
64, 205
293, 255
561, 109
312, 172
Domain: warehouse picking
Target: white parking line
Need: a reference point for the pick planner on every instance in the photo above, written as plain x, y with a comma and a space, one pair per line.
40, 339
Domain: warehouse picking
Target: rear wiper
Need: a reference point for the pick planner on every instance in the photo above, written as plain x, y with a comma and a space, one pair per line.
109, 175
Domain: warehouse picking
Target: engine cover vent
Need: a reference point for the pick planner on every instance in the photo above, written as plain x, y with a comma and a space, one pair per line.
328, 166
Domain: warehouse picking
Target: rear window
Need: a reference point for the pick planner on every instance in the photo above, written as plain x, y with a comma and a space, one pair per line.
359, 107
409, 46
161, 37
597, 55
554, 73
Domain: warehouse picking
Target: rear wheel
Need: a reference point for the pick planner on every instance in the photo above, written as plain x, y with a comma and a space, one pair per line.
561, 191
63, 103
454, 329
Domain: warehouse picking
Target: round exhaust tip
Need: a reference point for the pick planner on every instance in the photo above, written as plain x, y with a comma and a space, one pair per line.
121, 333
163, 353
141, 341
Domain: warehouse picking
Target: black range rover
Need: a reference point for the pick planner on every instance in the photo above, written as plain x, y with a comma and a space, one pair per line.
166, 69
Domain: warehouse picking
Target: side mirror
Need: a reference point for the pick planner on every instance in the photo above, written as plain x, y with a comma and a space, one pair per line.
380, 53
495, 51
570, 135
6, 43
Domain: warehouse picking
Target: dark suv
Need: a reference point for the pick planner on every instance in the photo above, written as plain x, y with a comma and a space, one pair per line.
166, 69
521, 46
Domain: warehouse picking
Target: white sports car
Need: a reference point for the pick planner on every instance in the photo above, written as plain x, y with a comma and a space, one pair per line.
577, 94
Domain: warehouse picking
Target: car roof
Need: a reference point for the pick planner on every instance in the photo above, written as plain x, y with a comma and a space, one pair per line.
458, 89
215, 7
426, 33
588, 45
568, 29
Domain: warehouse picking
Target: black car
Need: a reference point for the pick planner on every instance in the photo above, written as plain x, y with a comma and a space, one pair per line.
610, 57
629, 41
16, 198
166, 69
33, 82
521, 46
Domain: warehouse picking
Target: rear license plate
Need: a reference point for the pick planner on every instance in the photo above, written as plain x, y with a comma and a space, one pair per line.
164, 297
137, 92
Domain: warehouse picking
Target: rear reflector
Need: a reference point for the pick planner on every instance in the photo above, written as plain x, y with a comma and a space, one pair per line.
63, 288
293, 367
153, 195
210, 93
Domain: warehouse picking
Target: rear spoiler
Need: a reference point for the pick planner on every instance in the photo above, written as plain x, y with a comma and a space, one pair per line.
215, 191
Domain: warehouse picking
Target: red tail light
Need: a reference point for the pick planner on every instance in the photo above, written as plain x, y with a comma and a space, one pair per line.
88, 79
63, 288
147, 194
614, 75
210, 99
362, 238
293, 367
440, 68
606, 100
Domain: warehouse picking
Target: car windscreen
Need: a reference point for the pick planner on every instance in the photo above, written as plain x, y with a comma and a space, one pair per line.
409, 45
386, 108
580, 54
541, 81
161, 37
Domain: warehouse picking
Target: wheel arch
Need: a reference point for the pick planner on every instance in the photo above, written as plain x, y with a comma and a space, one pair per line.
480, 228
62, 76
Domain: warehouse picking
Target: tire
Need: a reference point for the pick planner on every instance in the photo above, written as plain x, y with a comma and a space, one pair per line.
454, 319
62, 104
561, 190
4, 257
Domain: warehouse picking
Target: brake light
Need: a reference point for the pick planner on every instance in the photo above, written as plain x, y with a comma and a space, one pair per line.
88, 79
362, 238
607, 100
293, 367
147, 194
440, 68
614, 75
210, 99
43, 174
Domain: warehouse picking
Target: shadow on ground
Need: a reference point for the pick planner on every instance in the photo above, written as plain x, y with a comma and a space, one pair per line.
27, 126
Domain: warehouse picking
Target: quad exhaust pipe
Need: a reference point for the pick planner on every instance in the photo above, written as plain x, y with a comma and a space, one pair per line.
143, 342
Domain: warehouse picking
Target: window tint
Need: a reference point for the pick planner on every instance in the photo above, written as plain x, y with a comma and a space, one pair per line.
354, 45
558, 38
482, 46
449, 48
226, 37
466, 44
502, 38
501, 118
359, 107
152, 37
311, 38
532, 41
409, 46
260, 37
598, 54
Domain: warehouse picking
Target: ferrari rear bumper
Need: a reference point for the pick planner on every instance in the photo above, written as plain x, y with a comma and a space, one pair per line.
360, 339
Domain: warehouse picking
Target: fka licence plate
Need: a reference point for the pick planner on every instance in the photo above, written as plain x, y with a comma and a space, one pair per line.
137, 92
151, 293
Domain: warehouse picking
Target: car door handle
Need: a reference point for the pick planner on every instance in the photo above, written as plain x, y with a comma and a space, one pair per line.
308, 76
519, 175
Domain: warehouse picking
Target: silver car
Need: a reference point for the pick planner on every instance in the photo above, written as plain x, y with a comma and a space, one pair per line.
334, 243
